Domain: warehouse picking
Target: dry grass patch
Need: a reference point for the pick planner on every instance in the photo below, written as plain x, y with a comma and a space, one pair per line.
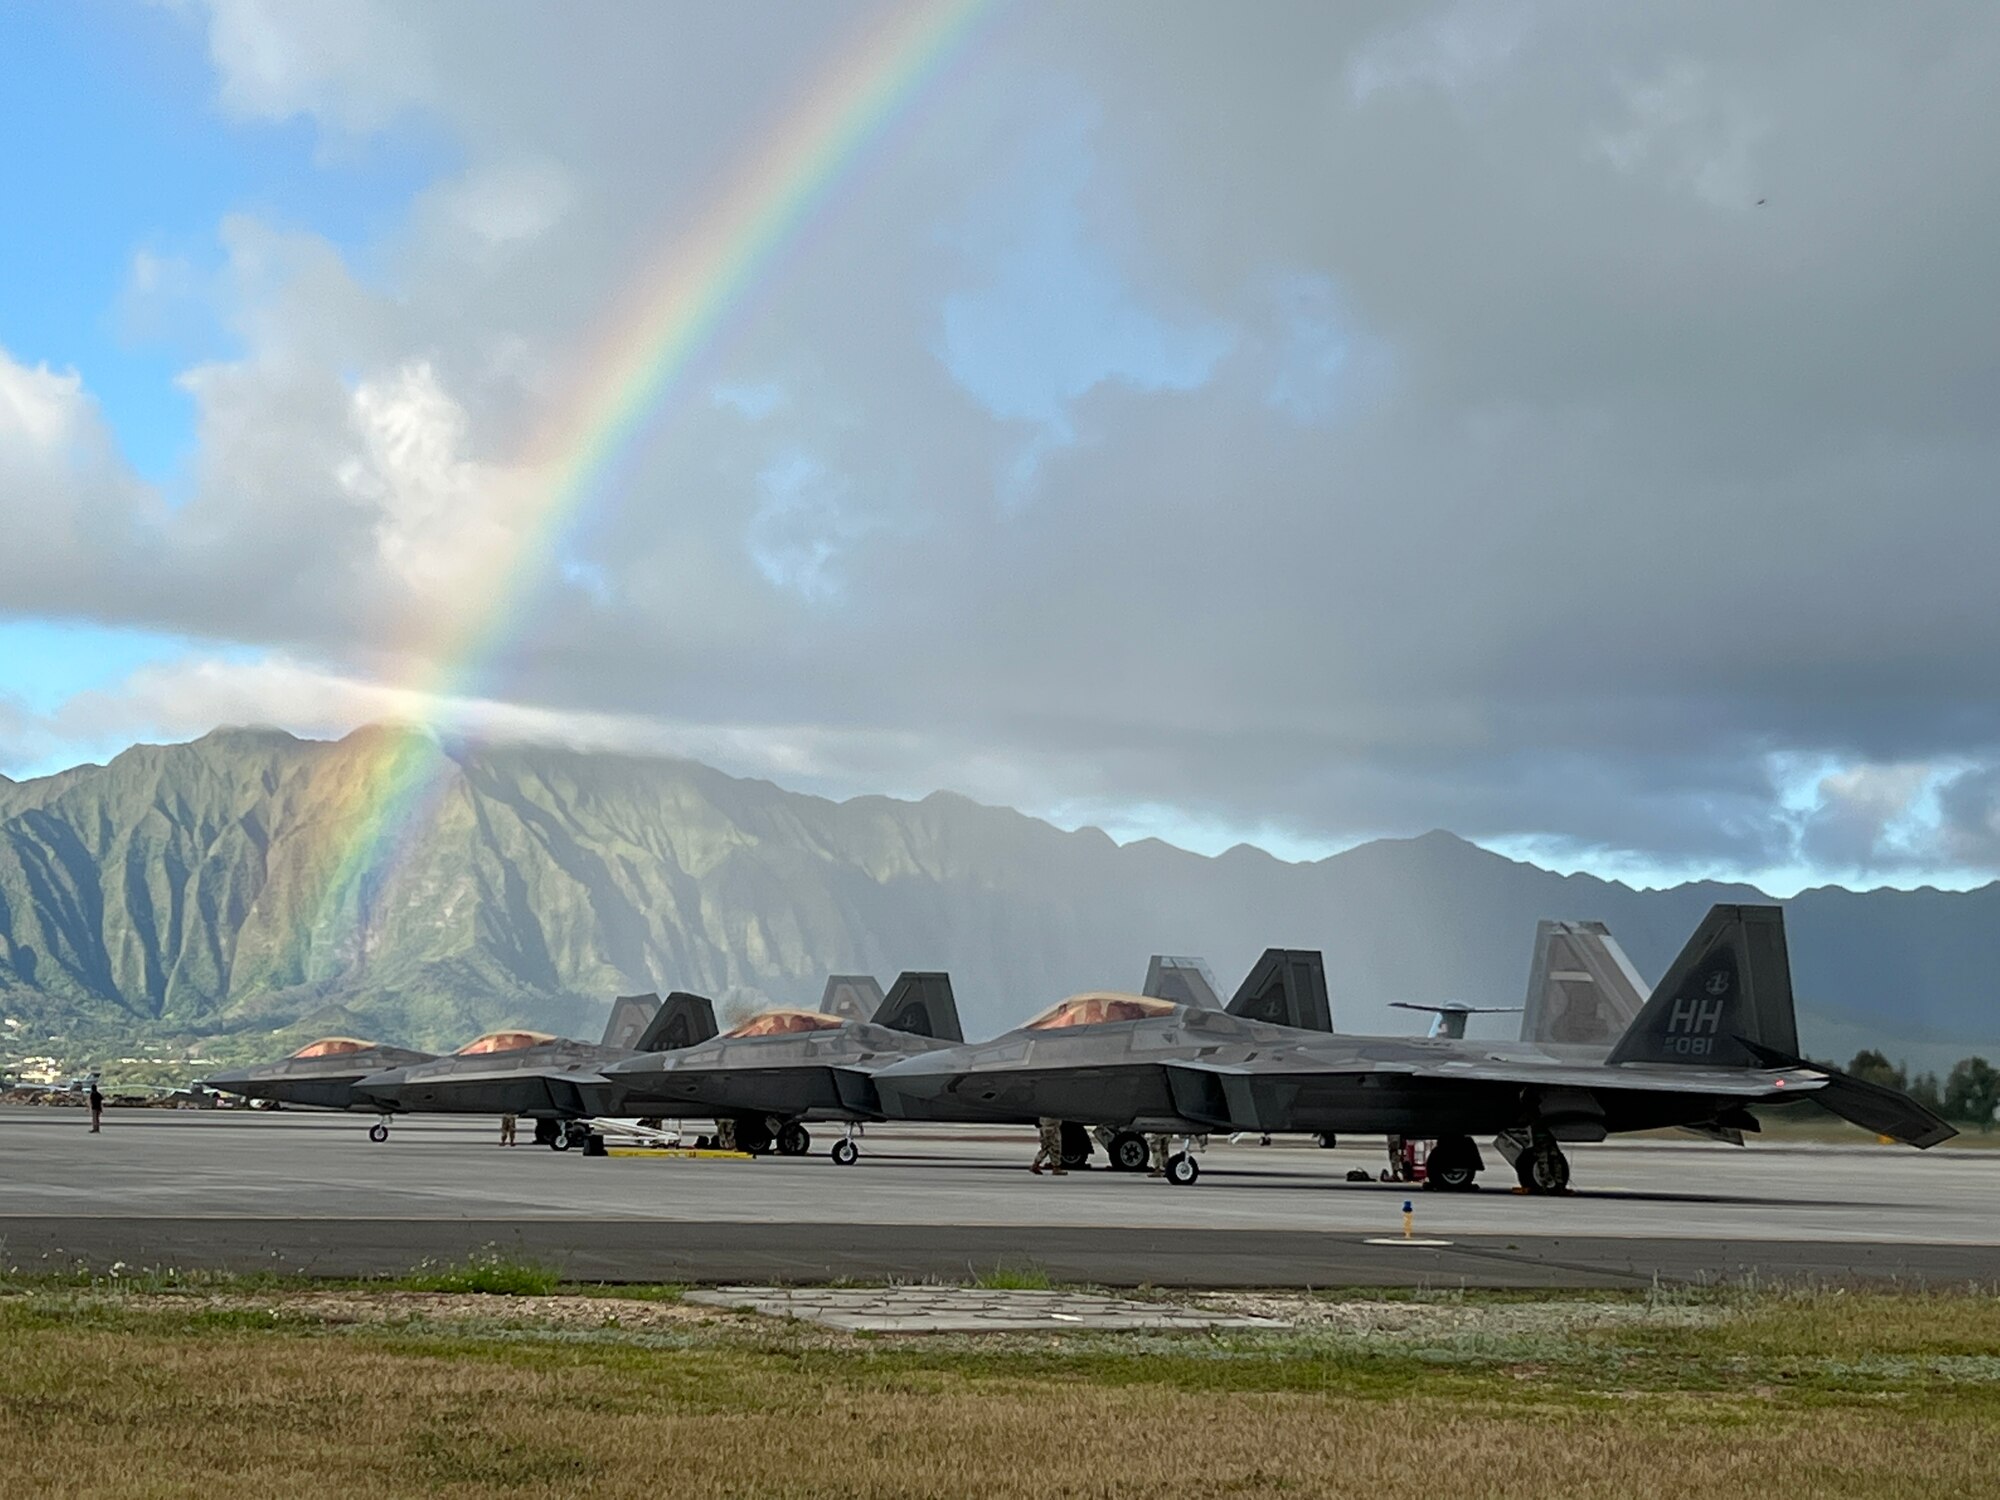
406, 1394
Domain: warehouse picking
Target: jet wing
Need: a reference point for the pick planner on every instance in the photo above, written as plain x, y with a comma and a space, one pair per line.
1537, 1072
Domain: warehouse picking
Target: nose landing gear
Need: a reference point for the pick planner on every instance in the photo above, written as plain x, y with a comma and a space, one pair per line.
845, 1153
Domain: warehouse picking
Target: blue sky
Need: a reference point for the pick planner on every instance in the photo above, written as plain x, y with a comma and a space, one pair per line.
116, 149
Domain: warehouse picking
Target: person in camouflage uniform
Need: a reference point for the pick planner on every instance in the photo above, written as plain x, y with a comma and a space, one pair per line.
1051, 1148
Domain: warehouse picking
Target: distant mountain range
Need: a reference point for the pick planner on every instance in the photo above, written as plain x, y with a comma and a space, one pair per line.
200, 891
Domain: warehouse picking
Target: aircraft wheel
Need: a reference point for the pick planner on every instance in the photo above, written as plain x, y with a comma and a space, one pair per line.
794, 1139
845, 1153
1076, 1146
1182, 1169
545, 1132
1326, 1140
1453, 1166
560, 1141
1545, 1171
378, 1132
1127, 1151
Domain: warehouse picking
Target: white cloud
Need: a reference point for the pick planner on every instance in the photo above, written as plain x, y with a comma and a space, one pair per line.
42, 413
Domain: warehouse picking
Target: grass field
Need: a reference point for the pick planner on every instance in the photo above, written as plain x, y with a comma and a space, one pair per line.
242, 1389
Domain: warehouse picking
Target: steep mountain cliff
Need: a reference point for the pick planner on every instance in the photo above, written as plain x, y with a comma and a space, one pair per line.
245, 884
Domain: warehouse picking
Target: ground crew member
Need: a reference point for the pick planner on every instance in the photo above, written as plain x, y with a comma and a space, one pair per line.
1050, 1150
506, 1130
96, 1108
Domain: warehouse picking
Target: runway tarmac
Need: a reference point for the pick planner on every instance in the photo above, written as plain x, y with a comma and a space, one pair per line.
310, 1193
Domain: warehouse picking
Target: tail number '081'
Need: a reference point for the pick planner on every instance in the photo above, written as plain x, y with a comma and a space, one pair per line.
1693, 1023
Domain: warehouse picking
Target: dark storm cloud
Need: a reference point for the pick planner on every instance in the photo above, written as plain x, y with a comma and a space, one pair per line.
1596, 444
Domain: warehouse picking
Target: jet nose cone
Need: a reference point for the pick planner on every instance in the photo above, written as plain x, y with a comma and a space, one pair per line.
233, 1081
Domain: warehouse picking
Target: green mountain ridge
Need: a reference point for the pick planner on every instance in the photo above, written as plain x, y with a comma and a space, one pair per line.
203, 892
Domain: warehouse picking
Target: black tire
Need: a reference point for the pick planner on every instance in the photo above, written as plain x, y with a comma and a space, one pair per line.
845, 1153
1182, 1169
560, 1141
1325, 1140
753, 1136
378, 1132
1453, 1165
545, 1132
794, 1139
1542, 1171
1128, 1152
1076, 1146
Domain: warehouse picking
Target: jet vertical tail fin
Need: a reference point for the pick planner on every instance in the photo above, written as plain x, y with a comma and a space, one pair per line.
922, 1004
1582, 989
630, 1015
1286, 986
852, 997
1185, 981
1726, 1002
682, 1020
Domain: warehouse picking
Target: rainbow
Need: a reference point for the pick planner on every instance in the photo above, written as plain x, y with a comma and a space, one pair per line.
673, 313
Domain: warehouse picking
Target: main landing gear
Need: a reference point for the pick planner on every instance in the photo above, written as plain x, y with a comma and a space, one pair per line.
1539, 1163
793, 1139
1543, 1170
1127, 1150
1453, 1165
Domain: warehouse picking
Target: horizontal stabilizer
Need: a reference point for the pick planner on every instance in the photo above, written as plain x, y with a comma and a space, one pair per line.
1872, 1106
682, 1020
1286, 987
922, 1004
1448, 1016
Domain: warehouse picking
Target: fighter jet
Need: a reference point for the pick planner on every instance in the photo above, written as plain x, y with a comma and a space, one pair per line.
767, 1077
320, 1075
1062, 1063
552, 1080
1717, 1035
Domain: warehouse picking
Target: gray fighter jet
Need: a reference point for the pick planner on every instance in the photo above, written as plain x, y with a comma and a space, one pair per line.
766, 1078
1717, 1035
1285, 991
553, 1080
320, 1075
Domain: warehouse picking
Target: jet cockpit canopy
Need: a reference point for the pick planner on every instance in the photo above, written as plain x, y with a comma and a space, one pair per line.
1096, 1010
785, 1022
503, 1041
333, 1046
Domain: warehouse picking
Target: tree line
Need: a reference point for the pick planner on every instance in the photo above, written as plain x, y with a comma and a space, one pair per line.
1969, 1094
